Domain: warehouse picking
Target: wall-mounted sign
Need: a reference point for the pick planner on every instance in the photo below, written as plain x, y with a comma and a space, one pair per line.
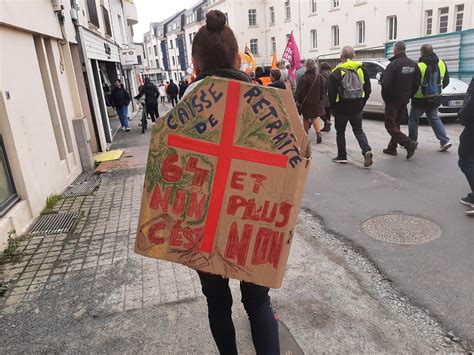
128, 56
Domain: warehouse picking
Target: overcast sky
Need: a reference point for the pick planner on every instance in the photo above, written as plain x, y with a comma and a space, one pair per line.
156, 11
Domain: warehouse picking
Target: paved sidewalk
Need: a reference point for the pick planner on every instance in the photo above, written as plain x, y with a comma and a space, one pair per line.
88, 292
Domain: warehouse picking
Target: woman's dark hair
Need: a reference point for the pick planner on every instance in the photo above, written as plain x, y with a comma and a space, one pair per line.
324, 65
215, 46
276, 73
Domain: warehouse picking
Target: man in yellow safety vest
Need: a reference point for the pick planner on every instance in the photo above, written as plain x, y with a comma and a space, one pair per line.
434, 78
348, 91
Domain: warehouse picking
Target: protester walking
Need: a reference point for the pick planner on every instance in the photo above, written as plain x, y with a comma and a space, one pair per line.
172, 90
120, 99
183, 85
325, 71
466, 146
434, 78
400, 82
162, 91
215, 53
275, 76
151, 98
310, 98
348, 90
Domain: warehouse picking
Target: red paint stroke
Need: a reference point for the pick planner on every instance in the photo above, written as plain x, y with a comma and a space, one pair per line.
225, 152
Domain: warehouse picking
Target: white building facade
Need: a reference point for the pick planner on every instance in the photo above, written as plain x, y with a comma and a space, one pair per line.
104, 29
58, 61
322, 27
168, 44
39, 100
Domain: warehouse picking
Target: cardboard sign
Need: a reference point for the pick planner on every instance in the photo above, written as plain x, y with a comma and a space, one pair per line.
226, 172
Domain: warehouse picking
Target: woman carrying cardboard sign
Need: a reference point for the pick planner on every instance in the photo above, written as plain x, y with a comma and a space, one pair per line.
215, 53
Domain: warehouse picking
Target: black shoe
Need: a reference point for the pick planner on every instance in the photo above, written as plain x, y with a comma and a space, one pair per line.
368, 159
467, 201
319, 140
390, 151
411, 149
340, 160
327, 127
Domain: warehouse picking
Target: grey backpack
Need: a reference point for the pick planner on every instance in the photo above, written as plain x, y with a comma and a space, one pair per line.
351, 85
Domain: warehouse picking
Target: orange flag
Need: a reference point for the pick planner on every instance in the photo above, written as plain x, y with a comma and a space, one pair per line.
274, 61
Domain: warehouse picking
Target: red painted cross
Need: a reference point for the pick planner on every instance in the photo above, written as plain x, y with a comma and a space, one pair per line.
225, 152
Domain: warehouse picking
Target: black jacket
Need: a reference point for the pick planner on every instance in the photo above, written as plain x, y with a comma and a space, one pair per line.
466, 140
430, 102
182, 90
119, 97
172, 90
278, 84
400, 80
151, 93
466, 114
347, 107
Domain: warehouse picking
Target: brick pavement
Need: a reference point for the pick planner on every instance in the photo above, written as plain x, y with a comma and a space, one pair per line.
99, 253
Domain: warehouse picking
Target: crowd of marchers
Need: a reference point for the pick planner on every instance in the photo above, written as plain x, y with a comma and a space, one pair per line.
342, 92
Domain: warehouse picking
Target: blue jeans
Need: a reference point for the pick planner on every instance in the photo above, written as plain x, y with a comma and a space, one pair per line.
256, 302
433, 119
123, 115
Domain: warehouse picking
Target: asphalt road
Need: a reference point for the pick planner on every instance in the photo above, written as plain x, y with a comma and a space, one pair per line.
437, 275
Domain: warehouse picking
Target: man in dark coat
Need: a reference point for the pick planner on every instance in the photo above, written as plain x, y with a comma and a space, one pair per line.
275, 76
325, 71
399, 83
349, 109
120, 99
429, 62
183, 85
172, 90
466, 146
310, 95
151, 98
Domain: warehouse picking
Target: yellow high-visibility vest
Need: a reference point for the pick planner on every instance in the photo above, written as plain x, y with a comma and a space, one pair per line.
423, 66
351, 65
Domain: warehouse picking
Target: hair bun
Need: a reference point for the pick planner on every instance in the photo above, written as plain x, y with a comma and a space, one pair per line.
215, 20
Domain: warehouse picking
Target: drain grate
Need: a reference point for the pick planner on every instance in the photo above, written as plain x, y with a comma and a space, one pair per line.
84, 187
53, 224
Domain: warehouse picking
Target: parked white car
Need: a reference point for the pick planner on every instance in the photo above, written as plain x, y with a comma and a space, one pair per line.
452, 97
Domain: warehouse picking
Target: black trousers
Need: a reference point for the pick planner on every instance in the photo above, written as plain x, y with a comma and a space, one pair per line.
327, 116
174, 100
341, 121
152, 110
256, 302
466, 155
395, 114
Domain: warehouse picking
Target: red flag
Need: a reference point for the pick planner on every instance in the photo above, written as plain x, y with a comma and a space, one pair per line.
292, 55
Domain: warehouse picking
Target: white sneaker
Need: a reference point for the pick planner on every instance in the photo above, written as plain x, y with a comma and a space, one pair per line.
445, 147
470, 213
124, 129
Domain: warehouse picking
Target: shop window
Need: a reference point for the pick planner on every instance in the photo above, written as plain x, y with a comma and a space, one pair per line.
8, 194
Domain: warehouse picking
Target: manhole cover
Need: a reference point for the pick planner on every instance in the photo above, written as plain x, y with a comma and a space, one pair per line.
401, 229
